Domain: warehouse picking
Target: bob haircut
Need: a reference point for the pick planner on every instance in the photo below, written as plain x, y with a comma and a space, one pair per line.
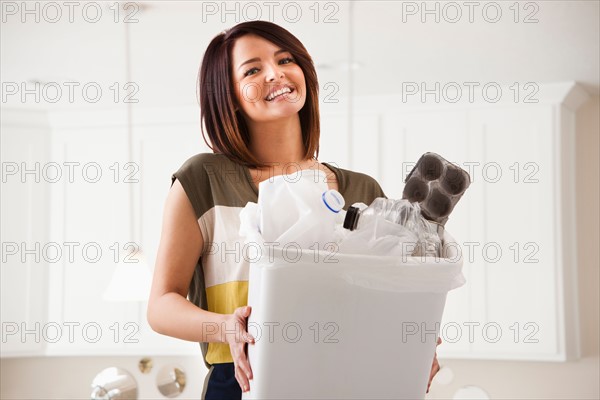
227, 131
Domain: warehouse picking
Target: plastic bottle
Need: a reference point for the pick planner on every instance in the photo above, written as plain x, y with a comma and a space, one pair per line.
299, 208
400, 212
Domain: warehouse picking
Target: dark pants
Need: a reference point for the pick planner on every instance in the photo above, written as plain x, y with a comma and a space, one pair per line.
222, 384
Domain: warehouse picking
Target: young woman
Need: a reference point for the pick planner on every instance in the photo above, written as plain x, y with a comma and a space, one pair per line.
260, 110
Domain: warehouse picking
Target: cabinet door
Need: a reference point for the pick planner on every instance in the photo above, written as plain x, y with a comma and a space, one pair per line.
24, 235
90, 215
159, 155
406, 136
95, 213
505, 224
515, 268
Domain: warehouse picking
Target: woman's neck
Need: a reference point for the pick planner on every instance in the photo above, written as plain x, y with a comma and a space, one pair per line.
279, 144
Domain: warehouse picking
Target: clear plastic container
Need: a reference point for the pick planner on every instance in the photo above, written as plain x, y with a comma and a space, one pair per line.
400, 212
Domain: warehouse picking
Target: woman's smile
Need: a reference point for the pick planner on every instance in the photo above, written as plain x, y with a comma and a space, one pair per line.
279, 92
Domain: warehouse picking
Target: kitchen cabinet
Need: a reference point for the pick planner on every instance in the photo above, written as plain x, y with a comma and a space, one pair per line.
81, 214
515, 223
158, 150
25, 149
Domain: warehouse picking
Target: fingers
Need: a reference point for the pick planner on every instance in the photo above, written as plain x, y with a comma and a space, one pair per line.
247, 338
243, 375
242, 379
243, 311
239, 323
435, 368
243, 371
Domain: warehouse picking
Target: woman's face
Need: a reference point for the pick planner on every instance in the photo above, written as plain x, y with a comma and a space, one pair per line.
259, 68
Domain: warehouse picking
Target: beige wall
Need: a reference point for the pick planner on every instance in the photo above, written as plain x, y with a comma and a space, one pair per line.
587, 221
70, 377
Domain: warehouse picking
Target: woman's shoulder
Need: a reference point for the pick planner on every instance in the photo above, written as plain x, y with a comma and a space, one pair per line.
197, 175
355, 184
350, 177
204, 165
206, 161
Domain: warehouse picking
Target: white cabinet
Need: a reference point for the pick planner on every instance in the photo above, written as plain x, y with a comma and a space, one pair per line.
515, 222
80, 213
520, 253
512, 235
99, 213
90, 211
25, 150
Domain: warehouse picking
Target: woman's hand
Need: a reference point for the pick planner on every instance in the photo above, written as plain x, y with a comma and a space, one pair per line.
237, 336
435, 367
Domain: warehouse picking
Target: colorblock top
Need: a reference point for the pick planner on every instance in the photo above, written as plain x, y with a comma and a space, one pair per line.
219, 189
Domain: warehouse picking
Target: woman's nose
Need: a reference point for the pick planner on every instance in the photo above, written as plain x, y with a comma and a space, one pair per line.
274, 72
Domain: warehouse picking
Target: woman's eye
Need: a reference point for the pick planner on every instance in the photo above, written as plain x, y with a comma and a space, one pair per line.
248, 72
287, 60
252, 71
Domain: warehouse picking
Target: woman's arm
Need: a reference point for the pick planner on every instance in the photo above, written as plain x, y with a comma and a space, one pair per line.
169, 312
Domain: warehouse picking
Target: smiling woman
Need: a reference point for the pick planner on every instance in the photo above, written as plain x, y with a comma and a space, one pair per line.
260, 112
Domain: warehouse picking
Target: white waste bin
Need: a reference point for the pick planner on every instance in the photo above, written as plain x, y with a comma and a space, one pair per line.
346, 326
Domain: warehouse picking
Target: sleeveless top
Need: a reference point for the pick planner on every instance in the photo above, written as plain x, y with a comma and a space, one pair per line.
218, 189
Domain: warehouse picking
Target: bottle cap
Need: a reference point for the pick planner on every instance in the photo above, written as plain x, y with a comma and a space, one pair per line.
333, 200
351, 218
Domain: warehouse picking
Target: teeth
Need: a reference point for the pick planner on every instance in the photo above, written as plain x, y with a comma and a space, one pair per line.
278, 93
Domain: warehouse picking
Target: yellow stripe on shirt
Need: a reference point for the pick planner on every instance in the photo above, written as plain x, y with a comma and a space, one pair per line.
224, 299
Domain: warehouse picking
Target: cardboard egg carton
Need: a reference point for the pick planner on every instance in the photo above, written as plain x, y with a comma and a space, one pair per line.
437, 185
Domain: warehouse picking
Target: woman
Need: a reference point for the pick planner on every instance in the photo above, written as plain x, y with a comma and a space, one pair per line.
259, 106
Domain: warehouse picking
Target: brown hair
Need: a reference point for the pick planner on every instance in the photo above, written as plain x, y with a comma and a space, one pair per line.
226, 128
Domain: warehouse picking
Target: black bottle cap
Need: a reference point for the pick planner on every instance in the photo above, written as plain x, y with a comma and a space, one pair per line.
351, 218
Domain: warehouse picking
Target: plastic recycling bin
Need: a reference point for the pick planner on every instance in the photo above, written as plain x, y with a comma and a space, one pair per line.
345, 326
